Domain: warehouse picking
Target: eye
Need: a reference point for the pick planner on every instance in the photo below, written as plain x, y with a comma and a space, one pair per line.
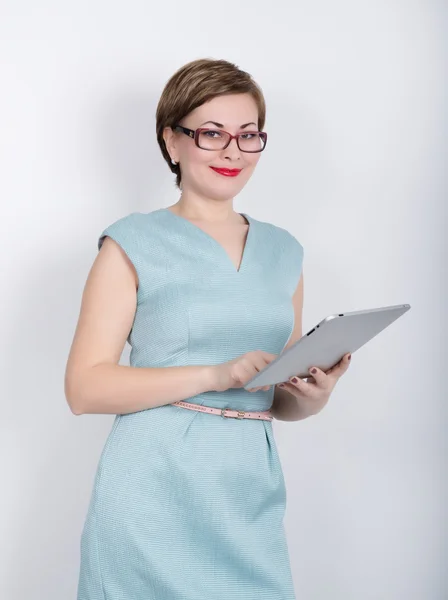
248, 136
212, 133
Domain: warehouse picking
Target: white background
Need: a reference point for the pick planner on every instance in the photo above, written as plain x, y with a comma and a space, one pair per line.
354, 168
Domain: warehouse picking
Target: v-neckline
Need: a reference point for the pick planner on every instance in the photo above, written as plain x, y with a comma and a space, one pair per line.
218, 244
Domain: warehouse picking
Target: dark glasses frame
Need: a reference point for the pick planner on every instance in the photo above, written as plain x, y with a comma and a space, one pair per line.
194, 133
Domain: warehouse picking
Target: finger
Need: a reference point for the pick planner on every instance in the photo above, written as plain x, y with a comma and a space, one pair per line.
260, 357
268, 356
252, 365
264, 388
287, 387
242, 373
320, 377
340, 367
261, 361
298, 384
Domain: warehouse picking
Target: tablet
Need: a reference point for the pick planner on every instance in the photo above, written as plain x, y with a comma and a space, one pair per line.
326, 344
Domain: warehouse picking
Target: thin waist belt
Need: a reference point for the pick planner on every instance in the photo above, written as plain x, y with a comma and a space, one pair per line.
226, 412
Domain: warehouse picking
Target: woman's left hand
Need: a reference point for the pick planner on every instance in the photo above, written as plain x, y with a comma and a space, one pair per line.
313, 394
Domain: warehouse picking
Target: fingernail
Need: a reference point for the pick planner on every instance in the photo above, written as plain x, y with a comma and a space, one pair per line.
313, 370
281, 385
294, 379
349, 357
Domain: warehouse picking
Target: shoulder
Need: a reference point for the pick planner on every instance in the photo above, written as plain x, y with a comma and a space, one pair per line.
127, 229
281, 237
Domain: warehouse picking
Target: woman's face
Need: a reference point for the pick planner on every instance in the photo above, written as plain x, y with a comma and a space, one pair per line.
236, 113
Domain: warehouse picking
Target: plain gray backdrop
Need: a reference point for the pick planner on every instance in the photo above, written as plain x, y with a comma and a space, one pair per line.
355, 168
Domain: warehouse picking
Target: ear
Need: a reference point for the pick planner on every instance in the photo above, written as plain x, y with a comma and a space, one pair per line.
170, 142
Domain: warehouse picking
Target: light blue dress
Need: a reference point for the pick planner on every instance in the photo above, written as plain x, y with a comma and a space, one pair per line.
188, 505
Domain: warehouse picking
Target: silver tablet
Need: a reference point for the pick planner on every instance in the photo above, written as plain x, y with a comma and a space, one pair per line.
326, 344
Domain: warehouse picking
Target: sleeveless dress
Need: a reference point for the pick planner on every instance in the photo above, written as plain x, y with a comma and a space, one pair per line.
188, 505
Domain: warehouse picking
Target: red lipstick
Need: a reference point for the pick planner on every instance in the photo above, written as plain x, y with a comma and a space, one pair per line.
227, 172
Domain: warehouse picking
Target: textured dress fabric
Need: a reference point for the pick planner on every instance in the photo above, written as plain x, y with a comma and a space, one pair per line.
188, 505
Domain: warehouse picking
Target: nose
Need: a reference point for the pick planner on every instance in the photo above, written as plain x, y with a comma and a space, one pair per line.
232, 152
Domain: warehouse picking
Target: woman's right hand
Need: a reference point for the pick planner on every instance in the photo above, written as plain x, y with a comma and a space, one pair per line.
237, 372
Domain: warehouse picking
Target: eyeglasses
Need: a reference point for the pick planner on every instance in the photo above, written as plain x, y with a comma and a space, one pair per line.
217, 139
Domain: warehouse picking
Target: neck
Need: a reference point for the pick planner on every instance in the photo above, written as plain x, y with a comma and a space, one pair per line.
194, 206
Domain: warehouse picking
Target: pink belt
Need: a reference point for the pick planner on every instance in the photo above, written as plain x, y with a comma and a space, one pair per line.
226, 412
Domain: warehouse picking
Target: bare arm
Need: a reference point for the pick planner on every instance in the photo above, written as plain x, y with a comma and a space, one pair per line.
94, 381
285, 406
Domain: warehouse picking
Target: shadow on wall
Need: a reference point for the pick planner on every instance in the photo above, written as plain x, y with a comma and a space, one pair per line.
132, 158
59, 453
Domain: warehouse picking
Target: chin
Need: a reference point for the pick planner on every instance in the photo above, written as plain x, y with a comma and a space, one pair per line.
225, 188
223, 192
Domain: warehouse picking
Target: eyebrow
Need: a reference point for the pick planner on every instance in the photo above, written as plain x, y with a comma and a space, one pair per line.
220, 125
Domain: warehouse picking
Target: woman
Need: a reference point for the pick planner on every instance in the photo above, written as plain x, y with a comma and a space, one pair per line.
189, 497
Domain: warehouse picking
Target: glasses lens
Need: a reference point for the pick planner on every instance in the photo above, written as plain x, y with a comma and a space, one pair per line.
252, 141
212, 139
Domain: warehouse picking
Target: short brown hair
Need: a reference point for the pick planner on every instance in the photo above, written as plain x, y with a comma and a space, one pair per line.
194, 84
